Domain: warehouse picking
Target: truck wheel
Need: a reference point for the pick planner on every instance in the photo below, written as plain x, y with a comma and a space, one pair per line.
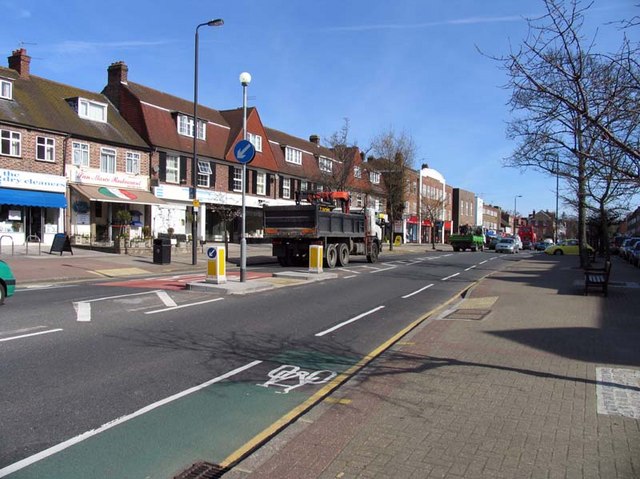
332, 256
343, 254
373, 256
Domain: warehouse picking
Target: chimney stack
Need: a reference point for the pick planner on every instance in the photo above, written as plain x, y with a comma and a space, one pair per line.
19, 61
315, 139
117, 73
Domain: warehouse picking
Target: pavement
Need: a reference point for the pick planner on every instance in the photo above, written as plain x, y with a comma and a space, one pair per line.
521, 377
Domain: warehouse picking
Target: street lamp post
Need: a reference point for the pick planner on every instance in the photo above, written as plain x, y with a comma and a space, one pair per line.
245, 79
515, 214
555, 230
218, 22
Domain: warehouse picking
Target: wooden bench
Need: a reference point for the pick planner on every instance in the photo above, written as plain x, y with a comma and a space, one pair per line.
597, 278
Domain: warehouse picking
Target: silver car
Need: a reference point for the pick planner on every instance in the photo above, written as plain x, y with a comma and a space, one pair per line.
507, 245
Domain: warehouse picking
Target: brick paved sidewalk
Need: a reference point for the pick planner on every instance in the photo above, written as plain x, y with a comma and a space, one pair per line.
511, 396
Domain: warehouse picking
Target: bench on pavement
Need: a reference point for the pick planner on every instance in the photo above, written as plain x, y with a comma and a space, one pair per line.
597, 278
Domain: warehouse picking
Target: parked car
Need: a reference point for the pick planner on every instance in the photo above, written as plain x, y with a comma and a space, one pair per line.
616, 243
627, 246
541, 246
570, 246
507, 245
526, 244
518, 241
634, 255
7, 281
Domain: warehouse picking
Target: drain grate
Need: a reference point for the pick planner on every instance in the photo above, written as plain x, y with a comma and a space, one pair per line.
468, 314
202, 470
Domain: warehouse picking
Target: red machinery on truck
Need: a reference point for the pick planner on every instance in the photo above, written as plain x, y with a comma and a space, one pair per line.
527, 236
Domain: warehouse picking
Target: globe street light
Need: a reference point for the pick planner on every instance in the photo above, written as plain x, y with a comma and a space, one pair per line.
218, 22
245, 79
515, 215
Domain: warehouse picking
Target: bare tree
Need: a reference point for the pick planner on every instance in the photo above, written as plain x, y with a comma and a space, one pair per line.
564, 97
344, 154
431, 208
394, 153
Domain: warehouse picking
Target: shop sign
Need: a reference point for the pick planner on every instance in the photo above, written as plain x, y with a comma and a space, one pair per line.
96, 177
32, 181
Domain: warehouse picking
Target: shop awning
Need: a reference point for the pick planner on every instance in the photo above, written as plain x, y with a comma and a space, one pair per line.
109, 194
46, 199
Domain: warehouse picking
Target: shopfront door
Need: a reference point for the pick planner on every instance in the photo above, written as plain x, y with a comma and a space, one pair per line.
34, 223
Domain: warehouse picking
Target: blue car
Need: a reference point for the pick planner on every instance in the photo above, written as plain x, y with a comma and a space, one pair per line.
7, 281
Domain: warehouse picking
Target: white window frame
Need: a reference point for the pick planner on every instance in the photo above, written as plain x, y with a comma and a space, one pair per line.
108, 158
92, 110
172, 169
256, 141
237, 179
185, 127
293, 155
286, 188
132, 162
45, 149
6, 89
11, 143
261, 183
374, 176
80, 153
204, 174
357, 172
325, 164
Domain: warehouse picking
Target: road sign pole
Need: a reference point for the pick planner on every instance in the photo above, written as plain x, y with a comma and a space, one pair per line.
243, 239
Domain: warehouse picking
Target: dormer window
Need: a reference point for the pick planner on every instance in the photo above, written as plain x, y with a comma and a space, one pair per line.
291, 155
185, 127
256, 141
6, 89
92, 110
326, 165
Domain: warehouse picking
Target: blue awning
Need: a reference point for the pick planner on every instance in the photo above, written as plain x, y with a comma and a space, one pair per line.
46, 199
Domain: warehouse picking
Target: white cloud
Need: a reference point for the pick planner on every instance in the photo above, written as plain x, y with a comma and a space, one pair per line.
458, 21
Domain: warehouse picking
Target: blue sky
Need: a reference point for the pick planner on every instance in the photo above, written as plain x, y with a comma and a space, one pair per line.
409, 65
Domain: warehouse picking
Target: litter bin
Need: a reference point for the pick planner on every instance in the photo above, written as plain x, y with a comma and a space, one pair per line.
162, 251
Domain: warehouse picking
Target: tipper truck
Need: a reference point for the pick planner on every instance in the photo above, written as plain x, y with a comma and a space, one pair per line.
468, 238
293, 229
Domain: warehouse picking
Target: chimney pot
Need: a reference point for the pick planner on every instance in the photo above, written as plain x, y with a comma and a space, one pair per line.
314, 139
19, 61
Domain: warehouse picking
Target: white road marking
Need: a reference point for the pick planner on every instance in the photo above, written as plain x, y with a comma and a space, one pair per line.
83, 308
384, 269
449, 277
350, 271
16, 466
352, 276
416, 292
445, 255
183, 306
470, 268
166, 299
83, 311
483, 262
29, 335
349, 321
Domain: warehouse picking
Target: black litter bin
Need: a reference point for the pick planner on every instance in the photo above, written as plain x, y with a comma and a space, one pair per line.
162, 251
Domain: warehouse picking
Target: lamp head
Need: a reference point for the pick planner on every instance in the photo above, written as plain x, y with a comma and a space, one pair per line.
218, 22
245, 78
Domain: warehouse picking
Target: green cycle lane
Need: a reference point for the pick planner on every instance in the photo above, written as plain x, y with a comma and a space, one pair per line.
207, 424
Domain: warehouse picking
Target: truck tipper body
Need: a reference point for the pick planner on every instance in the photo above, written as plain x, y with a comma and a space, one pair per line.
293, 229
468, 238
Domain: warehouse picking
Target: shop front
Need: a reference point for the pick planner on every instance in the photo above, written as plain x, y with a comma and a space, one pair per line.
31, 207
106, 207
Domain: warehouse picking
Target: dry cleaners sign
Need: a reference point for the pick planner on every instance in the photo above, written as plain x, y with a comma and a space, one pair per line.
32, 181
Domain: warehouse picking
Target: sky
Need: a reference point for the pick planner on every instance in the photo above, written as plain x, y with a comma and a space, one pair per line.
410, 66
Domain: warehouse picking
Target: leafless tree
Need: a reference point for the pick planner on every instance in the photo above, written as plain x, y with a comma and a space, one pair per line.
394, 153
431, 208
344, 154
567, 100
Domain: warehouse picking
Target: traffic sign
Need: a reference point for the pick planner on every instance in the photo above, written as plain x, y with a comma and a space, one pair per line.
244, 151
196, 203
211, 252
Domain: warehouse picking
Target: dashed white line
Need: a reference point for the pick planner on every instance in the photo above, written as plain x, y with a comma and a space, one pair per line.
349, 321
416, 292
470, 268
483, 262
31, 334
449, 277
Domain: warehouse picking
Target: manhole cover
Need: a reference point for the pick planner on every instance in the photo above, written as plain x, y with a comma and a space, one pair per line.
202, 470
468, 314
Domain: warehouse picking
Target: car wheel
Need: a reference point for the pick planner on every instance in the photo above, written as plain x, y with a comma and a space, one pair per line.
3, 293
558, 251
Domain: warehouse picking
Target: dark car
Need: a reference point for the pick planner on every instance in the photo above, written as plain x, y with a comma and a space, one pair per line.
634, 255
626, 247
541, 246
7, 281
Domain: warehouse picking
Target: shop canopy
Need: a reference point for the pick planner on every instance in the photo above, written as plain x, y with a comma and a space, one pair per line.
109, 194
46, 199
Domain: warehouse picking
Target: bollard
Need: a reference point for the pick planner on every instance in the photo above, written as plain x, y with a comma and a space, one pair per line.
315, 258
217, 265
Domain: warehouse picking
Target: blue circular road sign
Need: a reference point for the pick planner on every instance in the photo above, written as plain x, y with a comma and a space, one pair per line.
244, 151
212, 252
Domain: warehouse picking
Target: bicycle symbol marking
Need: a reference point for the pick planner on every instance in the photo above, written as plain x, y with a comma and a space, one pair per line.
290, 377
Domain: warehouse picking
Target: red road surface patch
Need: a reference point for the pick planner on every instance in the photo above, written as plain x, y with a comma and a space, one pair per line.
179, 282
